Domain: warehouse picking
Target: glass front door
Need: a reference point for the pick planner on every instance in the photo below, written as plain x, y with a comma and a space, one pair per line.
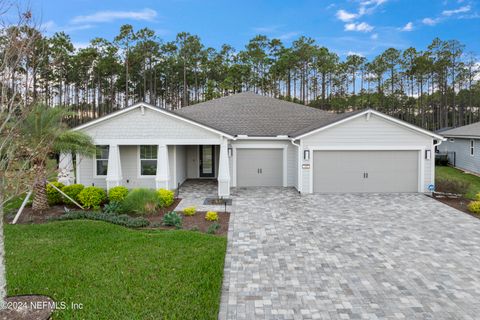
207, 161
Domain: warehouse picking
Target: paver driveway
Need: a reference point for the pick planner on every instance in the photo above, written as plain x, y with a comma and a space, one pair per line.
400, 256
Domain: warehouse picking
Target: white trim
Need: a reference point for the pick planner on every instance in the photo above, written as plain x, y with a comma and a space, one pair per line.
95, 175
146, 105
139, 163
138, 141
300, 167
77, 168
400, 122
432, 165
174, 167
262, 146
245, 137
420, 149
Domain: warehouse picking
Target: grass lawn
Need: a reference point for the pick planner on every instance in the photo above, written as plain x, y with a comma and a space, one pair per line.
450, 173
115, 272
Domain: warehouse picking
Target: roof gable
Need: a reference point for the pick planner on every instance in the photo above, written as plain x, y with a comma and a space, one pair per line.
142, 106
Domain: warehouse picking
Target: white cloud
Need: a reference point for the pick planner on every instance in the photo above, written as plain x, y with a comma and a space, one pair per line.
108, 16
407, 27
354, 53
266, 29
456, 11
345, 16
430, 21
361, 27
287, 35
51, 27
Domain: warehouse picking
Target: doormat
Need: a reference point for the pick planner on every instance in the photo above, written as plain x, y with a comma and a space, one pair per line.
218, 201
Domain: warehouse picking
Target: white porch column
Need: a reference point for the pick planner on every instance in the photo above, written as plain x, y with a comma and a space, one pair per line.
114, 169
223, 171
162, 178
65, 169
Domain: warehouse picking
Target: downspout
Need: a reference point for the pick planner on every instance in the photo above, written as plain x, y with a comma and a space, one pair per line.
299, 166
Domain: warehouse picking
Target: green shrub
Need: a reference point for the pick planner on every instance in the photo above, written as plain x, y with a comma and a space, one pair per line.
141, 201
195, 228
211, 216
474, 206
123, 219
189, 211
53, 196
166, 197
172, 219
117, 194
113, 207
451, 186
72, 191
92, 197
213, 228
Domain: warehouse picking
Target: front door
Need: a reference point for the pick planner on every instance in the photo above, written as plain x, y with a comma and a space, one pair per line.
207, 161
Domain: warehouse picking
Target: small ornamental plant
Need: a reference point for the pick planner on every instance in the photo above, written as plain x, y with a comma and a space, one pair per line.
211, 216
474, 207
53, 196
117, 194
172, 219
189, 211
92, 197
166, 197
72, 191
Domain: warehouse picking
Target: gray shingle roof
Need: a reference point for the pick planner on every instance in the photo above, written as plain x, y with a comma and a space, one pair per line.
251, 114
471, 130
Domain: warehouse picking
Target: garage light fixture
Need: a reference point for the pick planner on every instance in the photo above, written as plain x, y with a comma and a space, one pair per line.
428, 154
306, 154
230, 152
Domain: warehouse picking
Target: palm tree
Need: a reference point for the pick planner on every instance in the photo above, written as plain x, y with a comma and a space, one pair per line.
45, 130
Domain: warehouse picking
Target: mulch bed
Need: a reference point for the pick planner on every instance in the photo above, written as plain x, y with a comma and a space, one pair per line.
458, 203
196, 221
28, 307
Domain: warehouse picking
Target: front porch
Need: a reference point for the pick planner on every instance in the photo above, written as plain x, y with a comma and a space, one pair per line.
149, 165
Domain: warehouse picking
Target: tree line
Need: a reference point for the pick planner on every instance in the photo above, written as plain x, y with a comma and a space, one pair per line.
433, 87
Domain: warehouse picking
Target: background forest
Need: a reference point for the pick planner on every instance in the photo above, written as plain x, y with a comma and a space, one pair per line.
433, 87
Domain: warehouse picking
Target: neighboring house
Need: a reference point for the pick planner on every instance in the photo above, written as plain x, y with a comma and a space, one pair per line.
246, 140
463, 147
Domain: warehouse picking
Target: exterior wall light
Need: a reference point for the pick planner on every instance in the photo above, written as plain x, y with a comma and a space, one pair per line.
306, 154
428, 154
230, 152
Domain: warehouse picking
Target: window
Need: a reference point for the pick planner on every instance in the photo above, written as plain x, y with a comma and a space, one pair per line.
101, 160
148, 160
472, 147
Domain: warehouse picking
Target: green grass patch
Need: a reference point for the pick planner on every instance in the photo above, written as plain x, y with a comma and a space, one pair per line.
449, 173
115, 272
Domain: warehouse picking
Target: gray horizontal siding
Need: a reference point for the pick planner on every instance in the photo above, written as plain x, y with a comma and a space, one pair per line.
463, 159
150, 125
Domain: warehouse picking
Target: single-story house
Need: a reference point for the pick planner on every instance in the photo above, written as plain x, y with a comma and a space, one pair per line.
463, 145
246, 140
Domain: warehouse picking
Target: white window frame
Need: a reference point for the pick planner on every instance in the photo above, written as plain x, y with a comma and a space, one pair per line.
96, 160
472, 147
140, 175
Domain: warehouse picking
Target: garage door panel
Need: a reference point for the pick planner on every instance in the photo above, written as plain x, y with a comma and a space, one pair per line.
343, 171
259, 167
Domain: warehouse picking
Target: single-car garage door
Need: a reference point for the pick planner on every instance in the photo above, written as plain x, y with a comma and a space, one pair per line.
259, 167
365, 171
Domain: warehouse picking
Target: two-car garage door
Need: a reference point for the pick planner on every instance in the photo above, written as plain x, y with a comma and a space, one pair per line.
366, 171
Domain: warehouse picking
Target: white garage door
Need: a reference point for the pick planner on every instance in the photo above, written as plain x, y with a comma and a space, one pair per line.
259, 167
365, 171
